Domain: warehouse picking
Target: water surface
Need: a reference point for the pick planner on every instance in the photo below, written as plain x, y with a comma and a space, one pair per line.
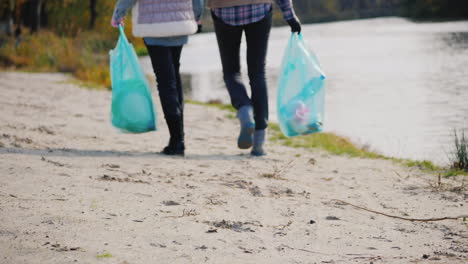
396, 86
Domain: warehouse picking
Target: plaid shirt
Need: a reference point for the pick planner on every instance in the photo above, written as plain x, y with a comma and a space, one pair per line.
247, 14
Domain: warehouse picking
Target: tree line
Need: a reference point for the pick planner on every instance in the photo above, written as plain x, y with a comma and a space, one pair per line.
61, 16
71, 16
330, 10
311, 11
438, 9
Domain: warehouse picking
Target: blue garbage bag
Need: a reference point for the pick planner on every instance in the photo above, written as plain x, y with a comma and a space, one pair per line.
132, 108
301, 90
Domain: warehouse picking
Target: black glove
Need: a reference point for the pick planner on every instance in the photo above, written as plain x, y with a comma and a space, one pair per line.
200, 28
295, 25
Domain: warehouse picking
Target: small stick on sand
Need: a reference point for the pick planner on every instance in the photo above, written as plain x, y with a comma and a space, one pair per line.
402, 218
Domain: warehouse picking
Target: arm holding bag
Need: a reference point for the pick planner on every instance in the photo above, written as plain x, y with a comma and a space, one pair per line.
301, 90
132, 106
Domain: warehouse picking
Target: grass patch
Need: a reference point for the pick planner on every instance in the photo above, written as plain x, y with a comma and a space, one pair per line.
215, 104
104, 255
325, 141
452, 172
430, 167
141, 51
230, 109
425, 165
341, 146
459, 159
230, 116
84, 56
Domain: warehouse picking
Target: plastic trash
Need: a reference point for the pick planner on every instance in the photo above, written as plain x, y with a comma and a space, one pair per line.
301, 90
132, 105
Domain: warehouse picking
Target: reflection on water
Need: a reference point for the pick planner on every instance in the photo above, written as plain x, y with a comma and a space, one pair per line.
398, 86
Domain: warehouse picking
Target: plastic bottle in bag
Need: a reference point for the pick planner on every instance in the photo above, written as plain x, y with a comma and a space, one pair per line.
301, 94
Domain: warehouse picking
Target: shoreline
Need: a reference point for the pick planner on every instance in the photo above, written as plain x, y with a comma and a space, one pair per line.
72, 188
338, 145
353, 148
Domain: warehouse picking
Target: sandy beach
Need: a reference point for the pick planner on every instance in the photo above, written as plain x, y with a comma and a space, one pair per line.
75, 190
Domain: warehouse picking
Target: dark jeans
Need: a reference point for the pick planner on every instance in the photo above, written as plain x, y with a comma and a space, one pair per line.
166, 64
229, 41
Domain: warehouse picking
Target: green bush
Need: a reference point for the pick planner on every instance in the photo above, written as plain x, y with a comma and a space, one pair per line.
459, 159
85, 56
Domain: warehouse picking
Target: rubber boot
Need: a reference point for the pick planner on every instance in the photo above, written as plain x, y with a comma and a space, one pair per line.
247, 123
259, 141
176, 146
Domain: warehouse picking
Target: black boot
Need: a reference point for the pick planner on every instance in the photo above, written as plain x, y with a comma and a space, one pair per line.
176, 145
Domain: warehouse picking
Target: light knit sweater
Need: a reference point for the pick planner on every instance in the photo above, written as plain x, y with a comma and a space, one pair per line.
162, 22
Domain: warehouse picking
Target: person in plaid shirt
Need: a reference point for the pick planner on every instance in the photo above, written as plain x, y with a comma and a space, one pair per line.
254, 17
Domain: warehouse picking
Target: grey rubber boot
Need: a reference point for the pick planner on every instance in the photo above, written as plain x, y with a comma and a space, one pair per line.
247, 123
259, 141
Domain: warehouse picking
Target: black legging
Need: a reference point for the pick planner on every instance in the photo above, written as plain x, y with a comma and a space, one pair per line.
166, 64
229, 41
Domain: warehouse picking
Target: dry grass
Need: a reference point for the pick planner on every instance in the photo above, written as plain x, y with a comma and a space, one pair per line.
327, 141
459, 157
85, 56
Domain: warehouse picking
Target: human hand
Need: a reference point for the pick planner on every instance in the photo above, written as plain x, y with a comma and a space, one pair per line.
295, 25
116, 23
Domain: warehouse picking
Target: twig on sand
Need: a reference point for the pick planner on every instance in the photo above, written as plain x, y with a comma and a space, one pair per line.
185, 213
282, 227
283, 246
402, 218
372, 258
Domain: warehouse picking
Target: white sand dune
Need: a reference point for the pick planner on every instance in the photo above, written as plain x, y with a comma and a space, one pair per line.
74, 190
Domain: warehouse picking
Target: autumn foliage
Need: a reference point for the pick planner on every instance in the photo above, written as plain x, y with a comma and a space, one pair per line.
67, 40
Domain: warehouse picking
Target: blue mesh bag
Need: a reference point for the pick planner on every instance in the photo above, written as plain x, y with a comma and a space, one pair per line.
301, 90
132, 108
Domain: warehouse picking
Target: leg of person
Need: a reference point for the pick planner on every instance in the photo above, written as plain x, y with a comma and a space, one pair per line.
257, 35
229, 40
176, 52
162, 60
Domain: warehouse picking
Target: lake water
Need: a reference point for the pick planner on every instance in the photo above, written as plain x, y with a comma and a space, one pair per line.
395, 86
